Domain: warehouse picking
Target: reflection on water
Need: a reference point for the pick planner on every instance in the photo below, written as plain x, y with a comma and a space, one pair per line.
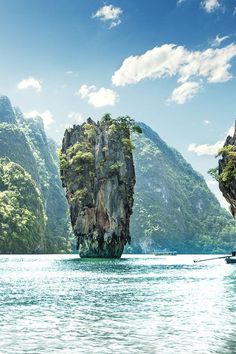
138, 304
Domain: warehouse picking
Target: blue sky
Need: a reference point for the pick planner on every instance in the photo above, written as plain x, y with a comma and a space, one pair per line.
170, 64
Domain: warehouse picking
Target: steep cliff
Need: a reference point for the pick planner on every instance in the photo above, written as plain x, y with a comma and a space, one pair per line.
173, 206
6, 111
22, 216
227, 172
98, 173
24, 143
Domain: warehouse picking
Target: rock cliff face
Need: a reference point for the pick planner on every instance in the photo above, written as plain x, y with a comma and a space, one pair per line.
227, 172
98, 173
173, 206
29, 182
6, 111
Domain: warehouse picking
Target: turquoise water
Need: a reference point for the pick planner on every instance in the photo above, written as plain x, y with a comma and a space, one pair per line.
138, 304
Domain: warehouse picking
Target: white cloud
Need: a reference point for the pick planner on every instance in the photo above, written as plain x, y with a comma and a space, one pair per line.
171, 60
114, 24
85, 90
208, 149
46, 116
74, 73
98, 97
211, 64
218, 40
207, 5
76, 118
206, 122
110, 14
210, 5
30, 82
185, 92
155, 63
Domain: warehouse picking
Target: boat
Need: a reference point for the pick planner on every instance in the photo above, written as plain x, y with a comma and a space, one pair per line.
229, 260
166, 253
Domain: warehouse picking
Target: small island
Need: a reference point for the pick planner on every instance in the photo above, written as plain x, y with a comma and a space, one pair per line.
227, 171
97, 170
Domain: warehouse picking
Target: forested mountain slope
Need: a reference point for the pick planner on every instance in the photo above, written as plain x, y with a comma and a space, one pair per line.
32, 156
174, 207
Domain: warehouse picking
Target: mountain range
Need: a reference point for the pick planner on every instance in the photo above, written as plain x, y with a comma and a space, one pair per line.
173, 206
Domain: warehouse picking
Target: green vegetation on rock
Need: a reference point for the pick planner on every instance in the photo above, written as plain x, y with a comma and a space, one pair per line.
22, 217
97, 171
173, 207
24, 143
228, 173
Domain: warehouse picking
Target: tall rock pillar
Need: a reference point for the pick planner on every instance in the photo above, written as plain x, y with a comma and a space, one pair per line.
97, 171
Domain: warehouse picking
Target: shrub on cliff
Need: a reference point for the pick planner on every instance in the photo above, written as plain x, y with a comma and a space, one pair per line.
22, 217
228, 153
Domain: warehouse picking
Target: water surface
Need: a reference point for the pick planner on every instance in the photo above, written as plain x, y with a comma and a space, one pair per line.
137, 304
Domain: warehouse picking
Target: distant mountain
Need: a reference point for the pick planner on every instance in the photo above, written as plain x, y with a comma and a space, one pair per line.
26, 150
173, 207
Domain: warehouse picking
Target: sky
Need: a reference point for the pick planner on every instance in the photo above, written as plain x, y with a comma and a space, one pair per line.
168, 63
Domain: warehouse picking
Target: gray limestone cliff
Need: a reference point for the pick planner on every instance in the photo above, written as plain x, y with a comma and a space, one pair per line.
6, 111
97, 171
227, 172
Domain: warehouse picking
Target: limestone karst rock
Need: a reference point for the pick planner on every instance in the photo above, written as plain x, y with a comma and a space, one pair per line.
24, 144
173, 206
6, 111
227, 172
98, 172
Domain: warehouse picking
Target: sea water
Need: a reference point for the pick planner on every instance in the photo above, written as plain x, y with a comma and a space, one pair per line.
137, 304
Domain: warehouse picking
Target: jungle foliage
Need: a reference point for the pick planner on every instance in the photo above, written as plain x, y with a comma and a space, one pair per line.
228, 153
174, 207
22, 217
37, 211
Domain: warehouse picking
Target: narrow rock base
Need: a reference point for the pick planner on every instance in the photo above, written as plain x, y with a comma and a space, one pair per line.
96, 249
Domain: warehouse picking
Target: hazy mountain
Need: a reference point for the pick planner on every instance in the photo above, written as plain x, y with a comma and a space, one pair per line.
24, 142
174, 208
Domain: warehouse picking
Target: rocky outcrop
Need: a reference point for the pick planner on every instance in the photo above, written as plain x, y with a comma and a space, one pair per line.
23, 143
98, 173
6, 111
174, 207
227, 172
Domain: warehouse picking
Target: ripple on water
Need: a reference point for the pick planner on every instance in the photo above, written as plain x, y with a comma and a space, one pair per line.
138, 304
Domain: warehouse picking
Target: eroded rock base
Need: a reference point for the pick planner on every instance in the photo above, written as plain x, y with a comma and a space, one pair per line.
99, 249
